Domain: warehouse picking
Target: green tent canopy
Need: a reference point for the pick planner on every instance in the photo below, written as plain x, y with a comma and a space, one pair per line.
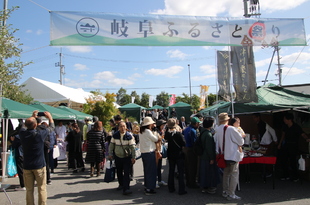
182, 109
158, 107
56, 113
79, 115
132, 110
13, 109
270, 98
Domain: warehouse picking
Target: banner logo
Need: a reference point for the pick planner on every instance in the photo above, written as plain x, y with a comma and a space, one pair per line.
87, 27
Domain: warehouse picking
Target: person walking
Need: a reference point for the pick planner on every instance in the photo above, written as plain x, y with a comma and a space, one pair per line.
232, 154
32, 141
122, 148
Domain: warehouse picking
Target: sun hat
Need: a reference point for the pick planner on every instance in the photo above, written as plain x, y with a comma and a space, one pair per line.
223, 117
160, 122
171, 123
195, 120
147, 121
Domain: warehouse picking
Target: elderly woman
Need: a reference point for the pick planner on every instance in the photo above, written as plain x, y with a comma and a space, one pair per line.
208, 173
95, 140
148, 148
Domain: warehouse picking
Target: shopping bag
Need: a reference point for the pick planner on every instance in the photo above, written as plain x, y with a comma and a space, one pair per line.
137, 152
164, 150
11, 166
302, 164
56, 152
109, 175
220, 161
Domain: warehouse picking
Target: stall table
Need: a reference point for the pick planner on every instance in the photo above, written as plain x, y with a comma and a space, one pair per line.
260, 160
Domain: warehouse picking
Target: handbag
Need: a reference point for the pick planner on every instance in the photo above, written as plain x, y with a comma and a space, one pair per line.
164, 150
220, 157
138, 152
85, 146
11, 166
109, 175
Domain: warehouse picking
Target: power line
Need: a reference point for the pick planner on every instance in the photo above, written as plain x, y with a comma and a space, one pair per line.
129, 61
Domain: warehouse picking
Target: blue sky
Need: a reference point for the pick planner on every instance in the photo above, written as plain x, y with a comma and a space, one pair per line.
148, 69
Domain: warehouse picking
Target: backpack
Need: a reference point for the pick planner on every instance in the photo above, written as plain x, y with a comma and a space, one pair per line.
198, 148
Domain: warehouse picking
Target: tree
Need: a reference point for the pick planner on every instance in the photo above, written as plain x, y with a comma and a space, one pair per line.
11, 68
194, 101
136, 96
102, 106
145, 100
162, 99
211, 99
122, 98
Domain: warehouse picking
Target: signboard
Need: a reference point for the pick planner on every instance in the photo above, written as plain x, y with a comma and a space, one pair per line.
90, 29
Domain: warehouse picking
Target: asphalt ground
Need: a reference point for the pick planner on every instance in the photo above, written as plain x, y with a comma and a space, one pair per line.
80, 188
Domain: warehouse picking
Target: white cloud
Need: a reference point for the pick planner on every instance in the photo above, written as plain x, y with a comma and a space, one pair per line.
303, 58
79, 66
208, 69
135, 76
204, 77
220, 7
39, 32
83, 75
276, 5
109, 78
177, 54
292, 71
261, 73
29, 31
79, 49
168, 72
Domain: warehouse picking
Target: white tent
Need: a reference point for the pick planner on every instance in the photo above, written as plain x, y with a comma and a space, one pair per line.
53, 94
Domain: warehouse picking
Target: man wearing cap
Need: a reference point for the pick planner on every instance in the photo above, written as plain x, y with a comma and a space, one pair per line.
232, 155
191, 159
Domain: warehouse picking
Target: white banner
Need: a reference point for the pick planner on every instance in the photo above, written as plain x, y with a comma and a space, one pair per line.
90, 28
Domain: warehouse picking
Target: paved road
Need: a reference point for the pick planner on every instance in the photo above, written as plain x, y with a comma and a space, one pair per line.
68, 188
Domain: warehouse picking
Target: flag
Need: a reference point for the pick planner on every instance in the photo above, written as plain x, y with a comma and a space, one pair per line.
244, 74
203, 95
172, 99
151, 101
223, 74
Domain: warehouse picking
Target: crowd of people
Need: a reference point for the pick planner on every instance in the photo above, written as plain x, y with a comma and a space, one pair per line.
34, 141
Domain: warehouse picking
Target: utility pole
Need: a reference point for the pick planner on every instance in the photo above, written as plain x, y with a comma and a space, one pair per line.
190, 84
279, 74
252, 9
61, 67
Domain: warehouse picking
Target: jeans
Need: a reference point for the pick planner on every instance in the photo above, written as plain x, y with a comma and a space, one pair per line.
38, 175
149, 169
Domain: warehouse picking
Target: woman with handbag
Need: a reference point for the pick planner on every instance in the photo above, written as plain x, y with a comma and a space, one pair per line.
160, 125
208, 171
148, 149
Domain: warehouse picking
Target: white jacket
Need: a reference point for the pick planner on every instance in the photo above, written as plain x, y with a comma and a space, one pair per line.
233, 140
